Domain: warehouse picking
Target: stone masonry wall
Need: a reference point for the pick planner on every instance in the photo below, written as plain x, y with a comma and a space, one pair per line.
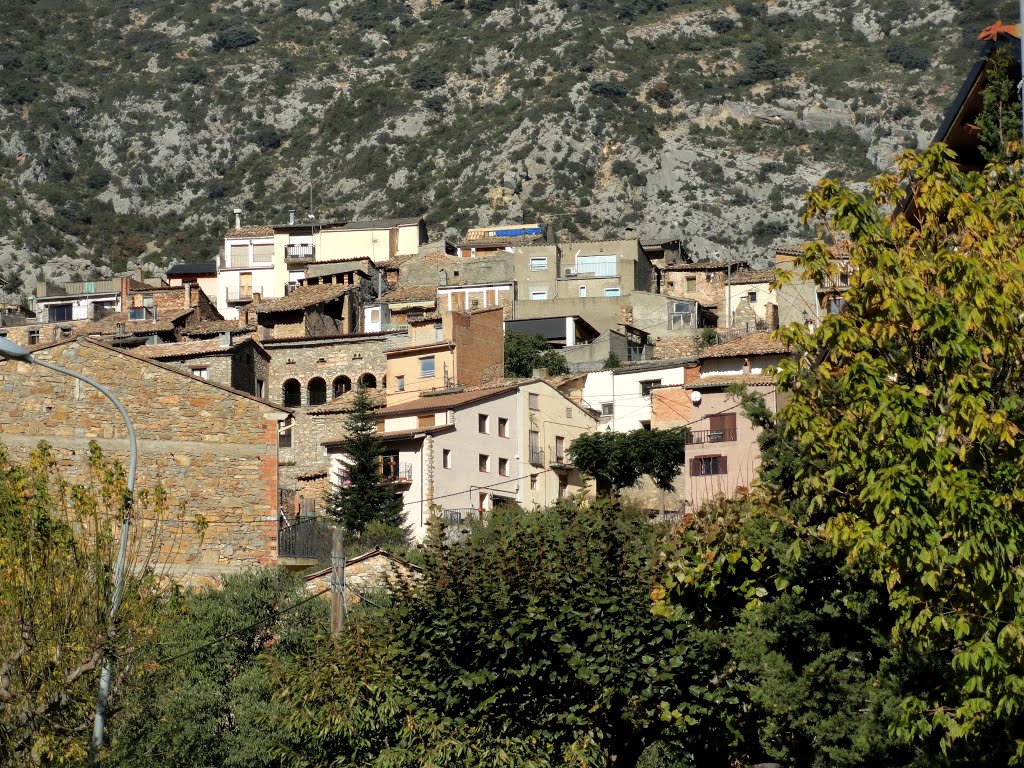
215, 452
347, 356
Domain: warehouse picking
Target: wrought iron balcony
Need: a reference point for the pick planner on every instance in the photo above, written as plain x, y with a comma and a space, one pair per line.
560, 459
537, 457
457, 515
397, 472
299, 252
701, 437
305, 539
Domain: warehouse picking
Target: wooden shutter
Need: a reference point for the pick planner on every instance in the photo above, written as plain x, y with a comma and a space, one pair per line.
695, 467
723, 465
425, 421
722, 422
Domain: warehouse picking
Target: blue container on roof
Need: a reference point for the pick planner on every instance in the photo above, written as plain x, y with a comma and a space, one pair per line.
518, 232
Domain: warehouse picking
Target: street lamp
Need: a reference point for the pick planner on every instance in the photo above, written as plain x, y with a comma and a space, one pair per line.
12, 351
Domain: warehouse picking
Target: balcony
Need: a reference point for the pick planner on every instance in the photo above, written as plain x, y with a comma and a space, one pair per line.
560, 460
537, 457
397, 472
304, 542
456, 516
299, 252
241, 295
705, 436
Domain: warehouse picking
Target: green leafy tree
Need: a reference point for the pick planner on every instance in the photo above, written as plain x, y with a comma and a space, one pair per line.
524, 353
999, 121
612, 362
530, 643
58, 544
907, 406
618, 460
364, 497
203, 692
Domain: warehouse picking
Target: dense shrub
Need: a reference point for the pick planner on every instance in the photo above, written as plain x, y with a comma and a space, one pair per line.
427, 76
238, 36
908, 56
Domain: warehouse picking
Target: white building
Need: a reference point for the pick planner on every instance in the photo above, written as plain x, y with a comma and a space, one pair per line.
623, 396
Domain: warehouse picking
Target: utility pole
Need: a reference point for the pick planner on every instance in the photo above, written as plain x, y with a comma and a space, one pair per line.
338, 582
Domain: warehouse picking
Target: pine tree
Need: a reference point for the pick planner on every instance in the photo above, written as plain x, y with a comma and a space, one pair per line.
364, 497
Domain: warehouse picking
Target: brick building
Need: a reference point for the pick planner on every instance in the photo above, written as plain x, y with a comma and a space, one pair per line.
213, 449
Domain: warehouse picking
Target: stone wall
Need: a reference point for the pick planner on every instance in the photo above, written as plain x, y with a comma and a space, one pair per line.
306, 455
214, 451
349, 356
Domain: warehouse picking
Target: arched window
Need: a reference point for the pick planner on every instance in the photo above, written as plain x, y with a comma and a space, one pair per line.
317, 391
342, 384
291, 393
369, 381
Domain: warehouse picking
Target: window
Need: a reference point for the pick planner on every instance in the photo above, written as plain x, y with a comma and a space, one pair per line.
708, 465
374, 315
835, 306
503, 467
752, 297
612, 292
341, 385
560, 449
691, 283
538, 263
583, 291
317, 391
291, 393
647, 386
390, 466
474, 303
446, 458
722, 428
368, 380
540, 295
568, 412
534, 401
400, 383
201, 373
483, 424
427, 420
681, 315
263, 254
607, 409
534, 482
427, 367
563, 487
485, 462
33, 337
261, 388
536, 452
438, 331
603, 265
502, 427
240, 255
59, 313
284, 433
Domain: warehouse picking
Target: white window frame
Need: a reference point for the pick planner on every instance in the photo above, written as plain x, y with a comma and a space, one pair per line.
538, 263
423, 369
612, 292
539, 295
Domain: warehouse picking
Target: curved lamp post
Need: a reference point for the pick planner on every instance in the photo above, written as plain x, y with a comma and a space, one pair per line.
14, 351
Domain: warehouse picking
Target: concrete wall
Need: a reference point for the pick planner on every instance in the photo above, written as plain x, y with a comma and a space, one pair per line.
215, 452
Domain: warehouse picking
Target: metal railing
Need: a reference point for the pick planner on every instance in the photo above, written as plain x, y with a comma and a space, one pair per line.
242, 293
78, 287
537, 456
458, 515
299, 252
397, 472
560, 459
308, 539
703, 436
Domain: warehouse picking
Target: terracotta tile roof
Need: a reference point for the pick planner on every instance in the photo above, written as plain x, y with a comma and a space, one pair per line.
302, 297
757, 343
434, 403
399, 435
209, 327
747, 277
993, 31
335, 338
789, 249
344, 403
166, 321
184, 349
316, 474
713, 382
701, 266
411, 293
251, 231
377, 224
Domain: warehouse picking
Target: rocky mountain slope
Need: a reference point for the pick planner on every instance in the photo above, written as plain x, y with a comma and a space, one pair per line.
129, 129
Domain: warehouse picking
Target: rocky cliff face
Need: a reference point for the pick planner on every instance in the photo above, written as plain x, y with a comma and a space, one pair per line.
130, 130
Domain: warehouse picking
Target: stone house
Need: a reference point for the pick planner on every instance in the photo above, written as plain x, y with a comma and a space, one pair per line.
409, 302
203, 274
805, 301
751, 303
465, 452
365, 574
454, 349
212, 448
241, 364
309, 310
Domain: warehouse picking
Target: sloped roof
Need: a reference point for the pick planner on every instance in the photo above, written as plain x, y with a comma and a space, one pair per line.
186, 349
757, 343
747, 277
345, 403
166, 320
434, 403
411, 293
202, 268
703, 266
402, 434
376, 224
250, 231
714, 382
302, 297
210, 327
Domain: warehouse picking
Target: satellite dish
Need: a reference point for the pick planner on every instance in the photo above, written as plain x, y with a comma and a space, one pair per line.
695, 397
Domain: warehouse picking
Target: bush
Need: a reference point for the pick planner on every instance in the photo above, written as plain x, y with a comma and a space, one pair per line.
908, 56
609, 89
267, 137
238, 36
428, 76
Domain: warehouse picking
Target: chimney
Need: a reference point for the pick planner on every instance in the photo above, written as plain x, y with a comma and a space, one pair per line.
291, 216
256, 297
691, 372
188, 294
238, 218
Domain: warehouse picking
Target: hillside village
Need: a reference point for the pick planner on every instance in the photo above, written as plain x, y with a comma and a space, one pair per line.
238, 372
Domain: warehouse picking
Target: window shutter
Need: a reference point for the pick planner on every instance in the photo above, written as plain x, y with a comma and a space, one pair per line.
723, 463
694, 467
722, 422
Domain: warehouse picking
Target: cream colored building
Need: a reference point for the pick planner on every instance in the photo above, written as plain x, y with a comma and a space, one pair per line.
460, 454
